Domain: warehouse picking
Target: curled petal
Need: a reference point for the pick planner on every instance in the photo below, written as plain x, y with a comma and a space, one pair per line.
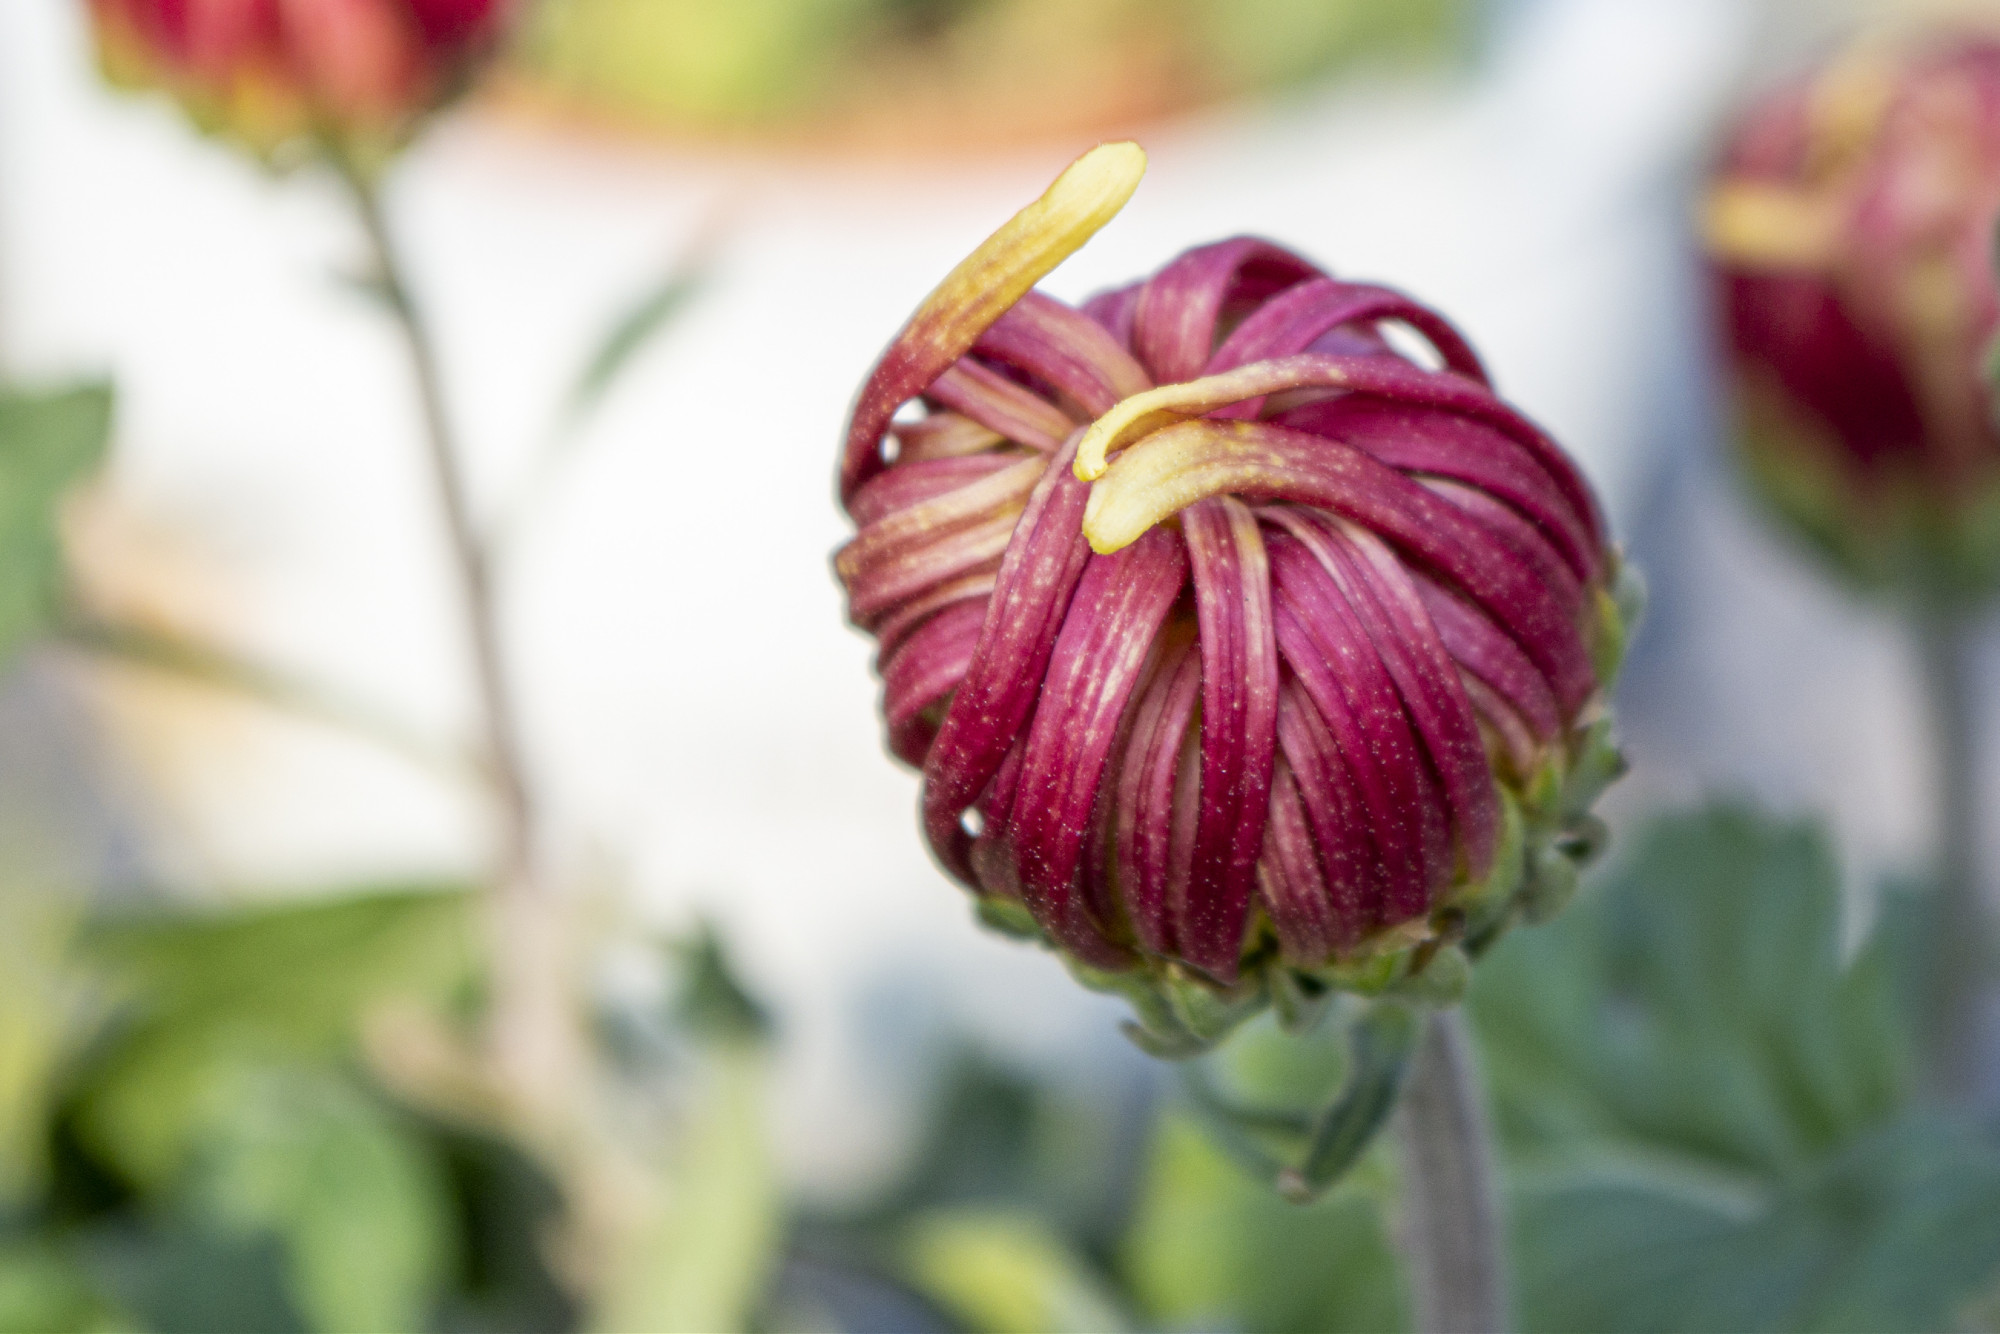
977, 292
1105, 642
940, 435
922, 671
1065, 349
1296, 318
1044, 559
1379, 593
1152, 863
1330, 796
1000, 405
1175, 467
1382, 377
1239, 702
1175, 316
1445, 444
1335, 662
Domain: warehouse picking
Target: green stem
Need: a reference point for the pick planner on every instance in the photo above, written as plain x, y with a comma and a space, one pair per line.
528, 1026
1961, 927
1451, 1216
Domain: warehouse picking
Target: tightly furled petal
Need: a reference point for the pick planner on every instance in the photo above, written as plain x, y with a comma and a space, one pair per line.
1290, 642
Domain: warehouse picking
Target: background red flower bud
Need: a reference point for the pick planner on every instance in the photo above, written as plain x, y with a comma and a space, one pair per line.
1301, 679
1850, 226
269, 73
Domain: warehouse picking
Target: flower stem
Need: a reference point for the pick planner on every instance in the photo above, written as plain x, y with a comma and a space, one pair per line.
527, 1018
1451, 1217
1960, 926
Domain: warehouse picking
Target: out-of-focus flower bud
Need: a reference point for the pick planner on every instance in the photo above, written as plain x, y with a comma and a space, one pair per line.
1245, 655
352, 76
1850, 226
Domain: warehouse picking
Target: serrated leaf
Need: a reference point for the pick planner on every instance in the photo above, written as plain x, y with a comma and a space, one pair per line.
1897, 1233
48, 443
1714, 1108
1696, 1002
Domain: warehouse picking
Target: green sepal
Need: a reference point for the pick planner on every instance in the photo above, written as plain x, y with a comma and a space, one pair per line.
1599, 763
1381, 1044
1299, 1000
1009, 917
1436, 977
1551, 883
1619, 608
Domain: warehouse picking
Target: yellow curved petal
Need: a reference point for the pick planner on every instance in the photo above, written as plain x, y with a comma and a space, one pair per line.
992, 278
1141, 414
1761, 225
1171, 469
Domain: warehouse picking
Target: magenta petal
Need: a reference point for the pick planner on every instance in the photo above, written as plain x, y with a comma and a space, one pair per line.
1149, 872
1114, 310
907, 485
997, 403
1328, 648
1379, 593
1066, 350
1258, 461
1292, 886
1527, 542
1485, 650
1174, 322
1037, 575
1239, 705
1105, 642
923, 671
1296, 318
1355, 876
1448, 445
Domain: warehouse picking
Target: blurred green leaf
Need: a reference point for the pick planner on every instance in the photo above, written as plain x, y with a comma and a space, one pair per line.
1697, 1004
48, 442
1006, 1272
1900, 1232
312, 1159
648, 317
46, 1289
43, 1002
208, 993
1710, 1107
701, 1264
1210, 1247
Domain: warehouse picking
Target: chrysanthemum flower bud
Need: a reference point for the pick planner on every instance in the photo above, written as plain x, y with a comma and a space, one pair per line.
271, 74
1850, 225
1245, 654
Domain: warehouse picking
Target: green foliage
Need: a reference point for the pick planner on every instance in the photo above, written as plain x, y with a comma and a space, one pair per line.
1008, 1273
644, 320
343, 1181
215, 997
1711, 1109
1210, 1246
702, 1262
48, 443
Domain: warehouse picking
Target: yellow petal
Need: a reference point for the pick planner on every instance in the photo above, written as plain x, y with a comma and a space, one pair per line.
1172, 469
1143, 413
1760, 225
992, 278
